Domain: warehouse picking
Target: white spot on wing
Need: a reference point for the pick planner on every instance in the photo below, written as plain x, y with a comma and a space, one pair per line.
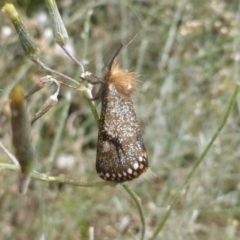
111, 87
135, 165
106, 146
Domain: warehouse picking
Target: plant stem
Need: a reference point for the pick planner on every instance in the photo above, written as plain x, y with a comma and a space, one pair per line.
137, 200
39, 63
199, 160
46, 178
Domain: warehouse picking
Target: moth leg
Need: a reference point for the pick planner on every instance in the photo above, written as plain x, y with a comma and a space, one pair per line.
92, 98
97, 85
92, 79
97, 92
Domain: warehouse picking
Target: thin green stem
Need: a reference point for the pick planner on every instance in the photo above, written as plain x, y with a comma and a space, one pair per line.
42, 211
72, 57
10, 155
57, 137
46, 178
197, 163
172, 33
39, 63
137, 200
88, 95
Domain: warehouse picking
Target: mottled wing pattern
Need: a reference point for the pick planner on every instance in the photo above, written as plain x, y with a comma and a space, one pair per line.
121, 154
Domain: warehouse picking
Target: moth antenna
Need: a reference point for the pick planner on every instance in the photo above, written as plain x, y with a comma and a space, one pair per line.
112, 54
130, 40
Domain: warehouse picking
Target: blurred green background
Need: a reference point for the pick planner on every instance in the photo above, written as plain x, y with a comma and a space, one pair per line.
186, 58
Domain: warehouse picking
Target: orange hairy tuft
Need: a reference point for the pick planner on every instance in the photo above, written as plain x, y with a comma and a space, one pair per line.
123, 81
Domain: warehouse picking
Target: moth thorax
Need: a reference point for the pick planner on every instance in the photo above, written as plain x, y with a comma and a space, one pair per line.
123, 81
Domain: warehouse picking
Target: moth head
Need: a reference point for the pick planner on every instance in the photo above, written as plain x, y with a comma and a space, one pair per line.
123, 81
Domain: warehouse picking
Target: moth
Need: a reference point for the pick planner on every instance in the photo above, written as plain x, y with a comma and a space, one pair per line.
121, 153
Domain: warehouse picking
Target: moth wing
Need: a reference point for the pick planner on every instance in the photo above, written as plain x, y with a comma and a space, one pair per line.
121, 153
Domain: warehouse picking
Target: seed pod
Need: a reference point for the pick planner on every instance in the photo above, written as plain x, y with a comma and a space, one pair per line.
59, 30
29, 46
121, 153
